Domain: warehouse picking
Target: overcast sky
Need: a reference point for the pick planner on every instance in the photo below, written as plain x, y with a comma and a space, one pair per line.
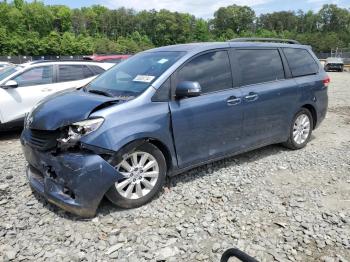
206, 8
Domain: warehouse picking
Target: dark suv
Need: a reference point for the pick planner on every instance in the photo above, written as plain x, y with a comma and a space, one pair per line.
166, 110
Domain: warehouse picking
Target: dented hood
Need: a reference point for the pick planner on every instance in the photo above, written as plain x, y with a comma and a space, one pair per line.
67, 108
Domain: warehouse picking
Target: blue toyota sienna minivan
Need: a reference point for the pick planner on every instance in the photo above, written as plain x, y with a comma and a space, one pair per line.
166, 110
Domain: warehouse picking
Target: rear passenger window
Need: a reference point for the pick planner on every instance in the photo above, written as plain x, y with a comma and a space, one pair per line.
300, 61
97, 70
211, 70
259, 65
73, 72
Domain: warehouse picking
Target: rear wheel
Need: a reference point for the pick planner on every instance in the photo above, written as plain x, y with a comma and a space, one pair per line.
300, 130
144, 170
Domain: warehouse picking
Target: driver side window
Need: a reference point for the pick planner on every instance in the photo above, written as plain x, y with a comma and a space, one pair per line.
211, 70
36, 76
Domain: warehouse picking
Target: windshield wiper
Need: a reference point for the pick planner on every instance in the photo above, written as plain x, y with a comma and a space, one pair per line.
100, 92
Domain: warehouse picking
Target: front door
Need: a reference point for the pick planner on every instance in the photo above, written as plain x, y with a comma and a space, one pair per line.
33, 85
207, 126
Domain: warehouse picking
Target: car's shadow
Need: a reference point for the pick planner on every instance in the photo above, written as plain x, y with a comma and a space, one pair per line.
10, 134
243, 158
107, 208
189, 176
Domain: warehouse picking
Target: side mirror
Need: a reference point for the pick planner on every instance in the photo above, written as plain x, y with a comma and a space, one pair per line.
188, 89
10, 84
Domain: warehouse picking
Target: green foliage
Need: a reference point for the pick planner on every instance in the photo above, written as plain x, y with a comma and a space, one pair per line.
33, 28
279, 21
334, 19
201, 31
19, 3
4, 41
234, 17
37, 18
62, 18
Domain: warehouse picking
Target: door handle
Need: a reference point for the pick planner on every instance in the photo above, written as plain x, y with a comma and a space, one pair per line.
231, 101
252, 97
46, 90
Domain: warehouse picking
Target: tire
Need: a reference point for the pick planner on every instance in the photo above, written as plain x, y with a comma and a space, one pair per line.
120, 196
293, 141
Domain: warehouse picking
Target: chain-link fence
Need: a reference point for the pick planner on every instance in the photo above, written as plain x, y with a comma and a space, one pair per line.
344, 55
23, 59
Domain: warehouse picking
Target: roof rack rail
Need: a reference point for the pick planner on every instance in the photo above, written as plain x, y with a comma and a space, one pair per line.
260, 39
59, 60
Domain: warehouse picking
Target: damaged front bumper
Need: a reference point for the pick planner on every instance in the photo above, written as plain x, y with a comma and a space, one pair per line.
74, 181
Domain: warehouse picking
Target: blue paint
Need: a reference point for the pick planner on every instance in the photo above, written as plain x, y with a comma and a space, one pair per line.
192, 130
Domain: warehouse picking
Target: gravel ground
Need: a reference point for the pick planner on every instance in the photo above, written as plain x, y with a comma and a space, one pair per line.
273, 203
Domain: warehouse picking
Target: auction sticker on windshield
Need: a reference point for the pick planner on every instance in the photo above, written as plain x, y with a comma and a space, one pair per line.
162, 61
143, 78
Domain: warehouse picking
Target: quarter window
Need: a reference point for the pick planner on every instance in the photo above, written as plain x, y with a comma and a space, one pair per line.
73, 73
163, 93
259, 66
36, 76
97, 70
211, 70
300, 61
114, 61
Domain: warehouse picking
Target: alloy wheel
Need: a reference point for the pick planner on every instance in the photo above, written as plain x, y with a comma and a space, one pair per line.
141, 172
301, 129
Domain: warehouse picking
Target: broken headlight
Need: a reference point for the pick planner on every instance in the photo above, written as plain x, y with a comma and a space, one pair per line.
79, 129
86, 126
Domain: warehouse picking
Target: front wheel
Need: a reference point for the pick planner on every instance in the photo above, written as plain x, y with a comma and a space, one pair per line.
145, 171
300, 130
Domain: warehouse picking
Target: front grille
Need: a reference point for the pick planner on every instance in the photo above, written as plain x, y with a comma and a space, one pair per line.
335, 65
42, 139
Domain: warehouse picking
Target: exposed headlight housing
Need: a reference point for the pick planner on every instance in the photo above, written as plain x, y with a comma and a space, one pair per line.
79, 129
87, 126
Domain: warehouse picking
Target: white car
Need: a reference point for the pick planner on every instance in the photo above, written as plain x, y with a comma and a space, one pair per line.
3, 65
23, 86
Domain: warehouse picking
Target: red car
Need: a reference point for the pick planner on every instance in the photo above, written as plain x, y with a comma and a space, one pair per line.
107, 58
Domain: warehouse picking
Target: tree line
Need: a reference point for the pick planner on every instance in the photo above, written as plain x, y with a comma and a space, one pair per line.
38, 29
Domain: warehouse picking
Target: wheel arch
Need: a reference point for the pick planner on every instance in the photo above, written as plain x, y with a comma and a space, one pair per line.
165, 151
156, 142
313, 112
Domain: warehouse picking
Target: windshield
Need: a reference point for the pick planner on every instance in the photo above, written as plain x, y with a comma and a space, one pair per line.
135, 75
8, 71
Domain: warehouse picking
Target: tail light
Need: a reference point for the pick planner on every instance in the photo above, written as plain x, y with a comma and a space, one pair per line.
326, 81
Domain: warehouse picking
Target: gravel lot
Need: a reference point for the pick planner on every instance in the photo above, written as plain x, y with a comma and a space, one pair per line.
273, 203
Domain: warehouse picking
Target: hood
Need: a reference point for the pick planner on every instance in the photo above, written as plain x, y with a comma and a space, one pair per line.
67, 108
334, 60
